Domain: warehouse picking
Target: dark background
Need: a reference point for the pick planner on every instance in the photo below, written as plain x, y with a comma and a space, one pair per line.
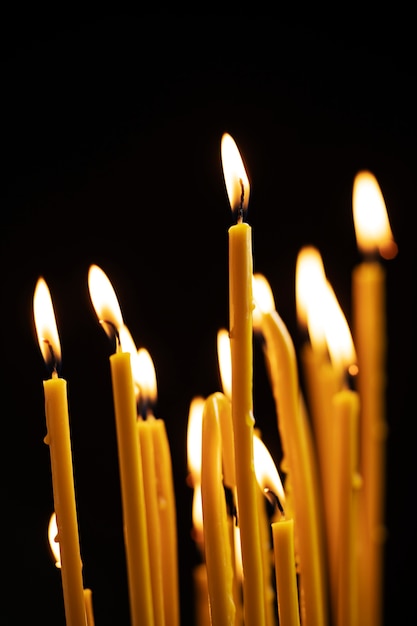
110, 137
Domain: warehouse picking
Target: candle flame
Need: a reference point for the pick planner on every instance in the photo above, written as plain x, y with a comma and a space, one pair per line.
145, 375
225, 361
263, 298
194, 438
45, 324
235, 176
311, 293
337, 332
52, 537
309, 273
197, 512
266, 472
105, 302
372, 227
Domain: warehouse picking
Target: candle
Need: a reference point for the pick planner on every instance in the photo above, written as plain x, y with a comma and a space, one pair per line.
215, 524
131, 477
301, 463
373, 234
240, 328
285, 572
326, 360
59, 442
144, 377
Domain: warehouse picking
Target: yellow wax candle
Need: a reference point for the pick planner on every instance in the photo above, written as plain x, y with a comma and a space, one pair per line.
301, 463
152, 517
373, 234
285, 572
215, 525
108, 311
132, 488
59, 442
167, 522
346, 414
240, 330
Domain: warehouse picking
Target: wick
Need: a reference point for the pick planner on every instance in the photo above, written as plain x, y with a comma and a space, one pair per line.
242, 202
274, 500
112, 331
52, 360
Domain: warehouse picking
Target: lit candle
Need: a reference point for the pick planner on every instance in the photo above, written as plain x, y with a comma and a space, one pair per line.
165, 496
344, 485
131, 478
215, 523
59, 442
326, 361
373, 234
240, 314
301, 463
54, 545
144, 378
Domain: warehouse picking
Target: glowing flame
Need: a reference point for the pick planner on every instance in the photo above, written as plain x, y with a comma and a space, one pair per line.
236, 179
263, 298
337, 332
105, 302
197, 512
309, 274
372, 227
53, 543
194, 438
266, 471
45, 324
225, 361
146, 375
311, 294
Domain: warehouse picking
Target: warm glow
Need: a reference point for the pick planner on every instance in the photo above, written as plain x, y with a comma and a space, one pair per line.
54, 545
146, 375
104, 301
309, 273
197, 509
263, 298
45, 324
372, 227
266, 471
194, 438
225, 361
311, 290
337, 332
236, 179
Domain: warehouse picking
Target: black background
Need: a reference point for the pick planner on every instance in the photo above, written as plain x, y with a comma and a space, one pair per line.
110, 137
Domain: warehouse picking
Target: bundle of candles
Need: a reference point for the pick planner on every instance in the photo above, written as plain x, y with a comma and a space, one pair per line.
300, 545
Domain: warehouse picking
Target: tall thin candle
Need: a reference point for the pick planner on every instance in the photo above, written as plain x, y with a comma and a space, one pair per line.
241, 306
131, 477
374, 238
59, 442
